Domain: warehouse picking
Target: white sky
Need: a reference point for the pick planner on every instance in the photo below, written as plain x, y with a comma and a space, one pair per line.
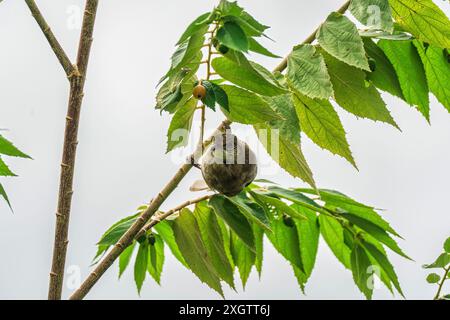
121, 161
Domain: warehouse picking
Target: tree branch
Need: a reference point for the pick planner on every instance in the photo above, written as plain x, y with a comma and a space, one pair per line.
54, 44
69, 152
131, 233
155, 220
310, 39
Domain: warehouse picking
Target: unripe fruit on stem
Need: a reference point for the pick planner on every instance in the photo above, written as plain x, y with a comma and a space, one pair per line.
199, 92
223, 49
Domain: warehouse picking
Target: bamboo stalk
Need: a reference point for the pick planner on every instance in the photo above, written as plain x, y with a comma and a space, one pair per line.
54, 43
69, 152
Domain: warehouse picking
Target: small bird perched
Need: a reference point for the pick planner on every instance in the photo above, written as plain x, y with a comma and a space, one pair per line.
229, 165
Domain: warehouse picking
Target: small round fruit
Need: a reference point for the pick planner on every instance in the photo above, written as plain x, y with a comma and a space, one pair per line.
215, 42
288, 221
223, 49
372, 65
199, 92
151, 239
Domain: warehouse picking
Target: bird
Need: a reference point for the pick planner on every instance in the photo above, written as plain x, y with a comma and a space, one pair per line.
229, 165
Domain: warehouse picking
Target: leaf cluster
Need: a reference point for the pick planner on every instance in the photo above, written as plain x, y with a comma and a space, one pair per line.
225, 234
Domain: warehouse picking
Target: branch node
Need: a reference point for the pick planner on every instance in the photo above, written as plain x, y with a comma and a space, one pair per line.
64, 165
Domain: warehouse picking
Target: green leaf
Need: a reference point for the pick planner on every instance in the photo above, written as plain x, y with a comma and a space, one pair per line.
410, 72
5, 171
294, 196
288, 127
251, 25
4, 195
379, 34
376, 232
340, 38
433, 278
259, 247
286, 153
244, 74
280, 205
221, 96
251, 210
213, 240
140, 265
384, 76
333, 234
352, 207
188, 238
180, 126
195, 26
243, 257
307, 72
156, 258
255, 46
166, 233
437, 71
361, 267
232, 35
384, 263
447, 245
210, 98
355, 94
112, 236
375, 14
321, 123
226, 234
441, 262
175, 92
247, 107
233, 217
285, 240
125, 257
424, 20
308, 235
187, 52
7, 148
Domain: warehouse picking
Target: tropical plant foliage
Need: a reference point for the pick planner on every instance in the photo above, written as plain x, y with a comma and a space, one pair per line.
404, 53
8, 149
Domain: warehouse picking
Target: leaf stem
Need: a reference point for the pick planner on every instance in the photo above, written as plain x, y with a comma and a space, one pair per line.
154, 221
441, 284
208, 76
54, 43
69, 152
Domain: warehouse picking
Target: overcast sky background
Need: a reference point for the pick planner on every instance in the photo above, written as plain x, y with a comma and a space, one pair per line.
121, 160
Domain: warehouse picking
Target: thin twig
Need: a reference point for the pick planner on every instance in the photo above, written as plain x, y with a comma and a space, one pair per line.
441, 284
69, 152
131, 233
54, 44
310, 39
163, 216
